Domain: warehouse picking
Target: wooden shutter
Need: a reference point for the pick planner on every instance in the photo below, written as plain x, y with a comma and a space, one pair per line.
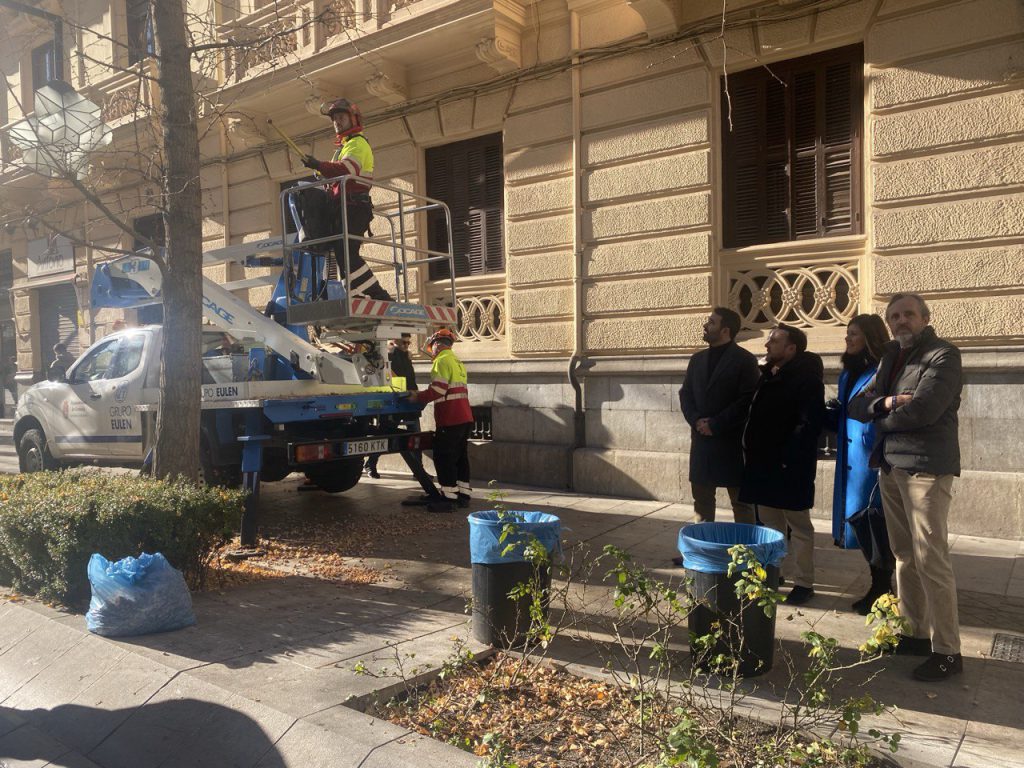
790, 162
469, 177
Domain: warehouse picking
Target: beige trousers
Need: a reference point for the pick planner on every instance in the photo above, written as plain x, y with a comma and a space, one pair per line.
799, 563
704, 504
916, 509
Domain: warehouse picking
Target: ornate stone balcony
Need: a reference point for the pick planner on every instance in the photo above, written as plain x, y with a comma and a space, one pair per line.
482, 313
802, 291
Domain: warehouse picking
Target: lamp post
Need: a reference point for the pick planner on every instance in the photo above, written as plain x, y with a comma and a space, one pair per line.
66, 126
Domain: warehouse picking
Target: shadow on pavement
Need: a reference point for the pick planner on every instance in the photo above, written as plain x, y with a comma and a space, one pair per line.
183, 732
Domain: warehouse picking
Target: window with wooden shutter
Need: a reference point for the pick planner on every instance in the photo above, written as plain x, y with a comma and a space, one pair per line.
791, 160
469, 177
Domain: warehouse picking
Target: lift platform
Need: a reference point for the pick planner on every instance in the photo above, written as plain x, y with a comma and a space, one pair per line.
329, 304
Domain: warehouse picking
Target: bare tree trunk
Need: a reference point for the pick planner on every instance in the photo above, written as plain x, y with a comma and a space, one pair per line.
177, 444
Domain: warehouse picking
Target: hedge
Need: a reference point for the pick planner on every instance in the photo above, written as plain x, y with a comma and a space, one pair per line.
51, 522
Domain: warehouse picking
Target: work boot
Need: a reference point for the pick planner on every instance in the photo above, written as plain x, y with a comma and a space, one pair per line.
442, 506
939, 667
881, 584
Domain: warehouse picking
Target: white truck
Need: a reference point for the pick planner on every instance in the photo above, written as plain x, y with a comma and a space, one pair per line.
273, 401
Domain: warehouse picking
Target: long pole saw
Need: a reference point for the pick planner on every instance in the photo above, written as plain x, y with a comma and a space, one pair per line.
287, 140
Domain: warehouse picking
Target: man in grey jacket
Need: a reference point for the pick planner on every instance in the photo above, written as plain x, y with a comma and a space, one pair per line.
913, 402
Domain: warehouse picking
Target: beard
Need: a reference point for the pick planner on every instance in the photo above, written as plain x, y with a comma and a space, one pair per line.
906, 339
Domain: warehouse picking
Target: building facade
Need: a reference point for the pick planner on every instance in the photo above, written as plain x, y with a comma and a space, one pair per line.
615, 170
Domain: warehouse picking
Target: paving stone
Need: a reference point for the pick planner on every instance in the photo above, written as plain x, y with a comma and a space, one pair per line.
33, 653
27, 747
191, 723
344, 738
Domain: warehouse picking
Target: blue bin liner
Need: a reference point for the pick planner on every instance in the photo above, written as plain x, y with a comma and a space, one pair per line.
485, 530
705, 546
137, 596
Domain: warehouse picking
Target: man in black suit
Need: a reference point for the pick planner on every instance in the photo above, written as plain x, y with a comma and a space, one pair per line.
720, 381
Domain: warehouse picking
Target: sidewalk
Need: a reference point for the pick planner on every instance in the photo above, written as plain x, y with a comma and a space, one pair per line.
264, 677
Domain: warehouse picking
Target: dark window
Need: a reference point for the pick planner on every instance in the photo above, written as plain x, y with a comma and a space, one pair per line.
469, 177
44, 65
149, 228
791, 163
140, 30
6, 283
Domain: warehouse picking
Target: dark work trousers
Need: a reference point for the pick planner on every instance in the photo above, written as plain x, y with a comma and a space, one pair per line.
361, 279
451, 459
413, 460
321, 217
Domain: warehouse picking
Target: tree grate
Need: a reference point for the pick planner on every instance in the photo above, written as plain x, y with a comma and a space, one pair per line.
1008, 648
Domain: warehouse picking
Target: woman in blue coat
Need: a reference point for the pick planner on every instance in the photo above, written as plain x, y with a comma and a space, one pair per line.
856, 484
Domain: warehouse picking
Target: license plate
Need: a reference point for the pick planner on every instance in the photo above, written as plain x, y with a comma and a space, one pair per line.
356, 447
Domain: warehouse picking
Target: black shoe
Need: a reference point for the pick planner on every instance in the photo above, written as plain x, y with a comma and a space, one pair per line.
913, 646
374, 474
463, 500
881, 584
799, 595
678, 561
420, 501
939, 666
442, 506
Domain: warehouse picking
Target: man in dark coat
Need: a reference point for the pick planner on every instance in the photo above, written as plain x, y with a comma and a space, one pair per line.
715, 398
401, 365
913, 403
780, 449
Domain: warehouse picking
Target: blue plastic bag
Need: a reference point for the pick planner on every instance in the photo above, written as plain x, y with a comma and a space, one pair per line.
705, 546
485, 529
137, 596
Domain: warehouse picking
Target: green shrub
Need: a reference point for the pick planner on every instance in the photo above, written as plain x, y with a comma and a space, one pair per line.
51, 522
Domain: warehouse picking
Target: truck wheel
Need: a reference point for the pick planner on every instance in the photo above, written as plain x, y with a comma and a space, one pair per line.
33, 454
336, 476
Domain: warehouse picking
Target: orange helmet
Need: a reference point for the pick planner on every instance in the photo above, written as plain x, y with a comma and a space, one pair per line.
328, 109
443, 336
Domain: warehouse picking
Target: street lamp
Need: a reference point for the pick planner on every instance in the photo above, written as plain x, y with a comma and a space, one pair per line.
66, 127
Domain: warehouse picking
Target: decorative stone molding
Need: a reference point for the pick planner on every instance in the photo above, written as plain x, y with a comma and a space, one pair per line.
388, 86
502, 54
481, 318
802, 296
661, 17
244, 132
339, 16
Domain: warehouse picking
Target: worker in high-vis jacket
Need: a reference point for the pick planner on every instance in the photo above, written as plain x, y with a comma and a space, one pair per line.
453, 418
354, 158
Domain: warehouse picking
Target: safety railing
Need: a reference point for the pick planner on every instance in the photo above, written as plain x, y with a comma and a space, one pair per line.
317, 301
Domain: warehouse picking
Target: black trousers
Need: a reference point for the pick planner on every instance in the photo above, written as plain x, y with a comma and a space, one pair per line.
451, 459
413, 460
321, 217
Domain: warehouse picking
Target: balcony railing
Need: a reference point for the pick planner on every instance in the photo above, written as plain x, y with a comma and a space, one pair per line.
277, 30
807, 295
481, 311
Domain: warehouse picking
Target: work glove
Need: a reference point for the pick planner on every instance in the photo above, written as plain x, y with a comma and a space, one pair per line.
311, 162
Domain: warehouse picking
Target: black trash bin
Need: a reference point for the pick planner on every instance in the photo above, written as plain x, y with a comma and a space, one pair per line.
747, 634
499, 620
